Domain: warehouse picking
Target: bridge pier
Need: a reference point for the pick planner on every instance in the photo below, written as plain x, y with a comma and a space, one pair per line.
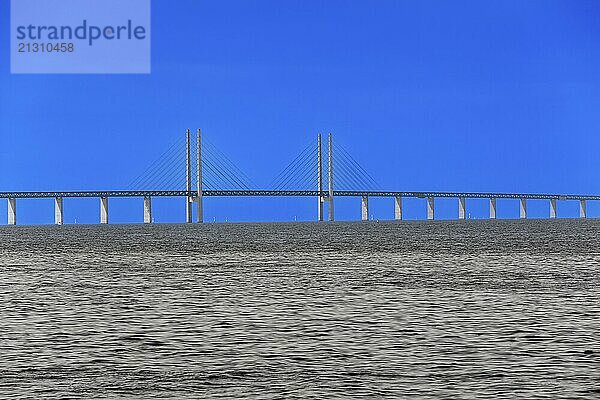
58, 211
462, 208
398, 208
188, 209
523, 208
365, 208
430, 208
12, 211
147, 210
104, 210
493, 213
582, 209
199, 210
553, 208
320, 209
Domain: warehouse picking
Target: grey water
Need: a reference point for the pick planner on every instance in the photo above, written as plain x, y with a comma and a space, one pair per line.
454, 309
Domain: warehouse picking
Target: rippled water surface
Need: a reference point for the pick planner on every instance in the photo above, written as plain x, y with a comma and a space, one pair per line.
471, 309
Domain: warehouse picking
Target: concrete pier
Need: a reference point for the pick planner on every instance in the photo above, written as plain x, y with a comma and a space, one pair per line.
398, 208
58, 211
365, 208
582, 209
430, 208
330, 175
523, 208
553, 212
320, 212
493, 213
147, 210
104, 210
462, 208
12, 211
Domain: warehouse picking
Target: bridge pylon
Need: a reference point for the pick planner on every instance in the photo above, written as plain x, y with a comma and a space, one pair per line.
325, 196
188, 177
189, 198
320, 177
199, 204
330, 178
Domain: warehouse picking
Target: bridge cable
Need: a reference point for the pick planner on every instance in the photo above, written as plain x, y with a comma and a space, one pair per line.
156, 166
153, 165
283, 174
294, 175
165, 174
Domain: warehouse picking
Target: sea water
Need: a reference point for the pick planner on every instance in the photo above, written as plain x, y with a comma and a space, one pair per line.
455, 309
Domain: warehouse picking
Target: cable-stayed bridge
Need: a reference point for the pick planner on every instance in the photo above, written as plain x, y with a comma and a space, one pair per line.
193, 168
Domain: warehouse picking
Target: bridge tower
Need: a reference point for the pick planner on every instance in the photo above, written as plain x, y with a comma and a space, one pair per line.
330, 178
199, 205
188, 177
320, 177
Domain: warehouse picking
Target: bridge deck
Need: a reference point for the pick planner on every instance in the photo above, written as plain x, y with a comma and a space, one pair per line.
292, 193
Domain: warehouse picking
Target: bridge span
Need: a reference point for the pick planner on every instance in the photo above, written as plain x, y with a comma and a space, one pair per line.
323, 196
292, 193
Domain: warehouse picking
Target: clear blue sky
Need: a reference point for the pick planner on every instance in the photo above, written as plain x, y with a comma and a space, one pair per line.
427, 95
